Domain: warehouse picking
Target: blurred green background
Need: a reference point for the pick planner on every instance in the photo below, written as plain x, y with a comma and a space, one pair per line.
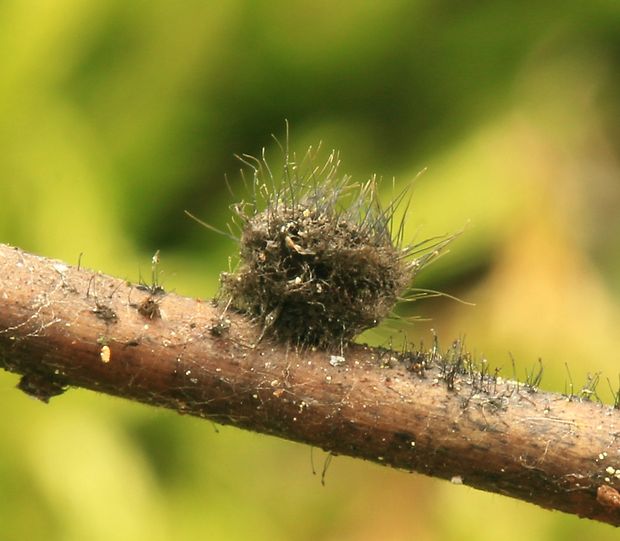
116, 116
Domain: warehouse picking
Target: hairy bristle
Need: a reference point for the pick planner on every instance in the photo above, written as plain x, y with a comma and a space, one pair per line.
319, 258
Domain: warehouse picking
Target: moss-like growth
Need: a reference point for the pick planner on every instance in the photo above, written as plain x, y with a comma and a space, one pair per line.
319, 260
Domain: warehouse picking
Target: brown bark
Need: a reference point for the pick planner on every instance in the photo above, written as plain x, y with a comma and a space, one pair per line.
61, 326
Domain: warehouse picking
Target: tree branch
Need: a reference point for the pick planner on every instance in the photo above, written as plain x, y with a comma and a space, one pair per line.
61, 326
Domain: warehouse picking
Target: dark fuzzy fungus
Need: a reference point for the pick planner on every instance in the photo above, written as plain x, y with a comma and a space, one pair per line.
313, 278
42, 386
149, 308
105, 313
318, 259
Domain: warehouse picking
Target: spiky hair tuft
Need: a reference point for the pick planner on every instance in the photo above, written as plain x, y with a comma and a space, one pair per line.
320, 259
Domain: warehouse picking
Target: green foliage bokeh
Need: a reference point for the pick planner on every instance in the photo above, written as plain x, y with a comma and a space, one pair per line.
117, 116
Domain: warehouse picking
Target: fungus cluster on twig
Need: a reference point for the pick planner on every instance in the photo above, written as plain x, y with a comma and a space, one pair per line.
320, 259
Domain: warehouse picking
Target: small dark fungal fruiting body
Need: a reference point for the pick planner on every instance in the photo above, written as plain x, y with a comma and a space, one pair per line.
42, 386
105, 313
320, 261
149, 308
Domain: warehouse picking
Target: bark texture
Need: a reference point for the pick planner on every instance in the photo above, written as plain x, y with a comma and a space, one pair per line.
62, 327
